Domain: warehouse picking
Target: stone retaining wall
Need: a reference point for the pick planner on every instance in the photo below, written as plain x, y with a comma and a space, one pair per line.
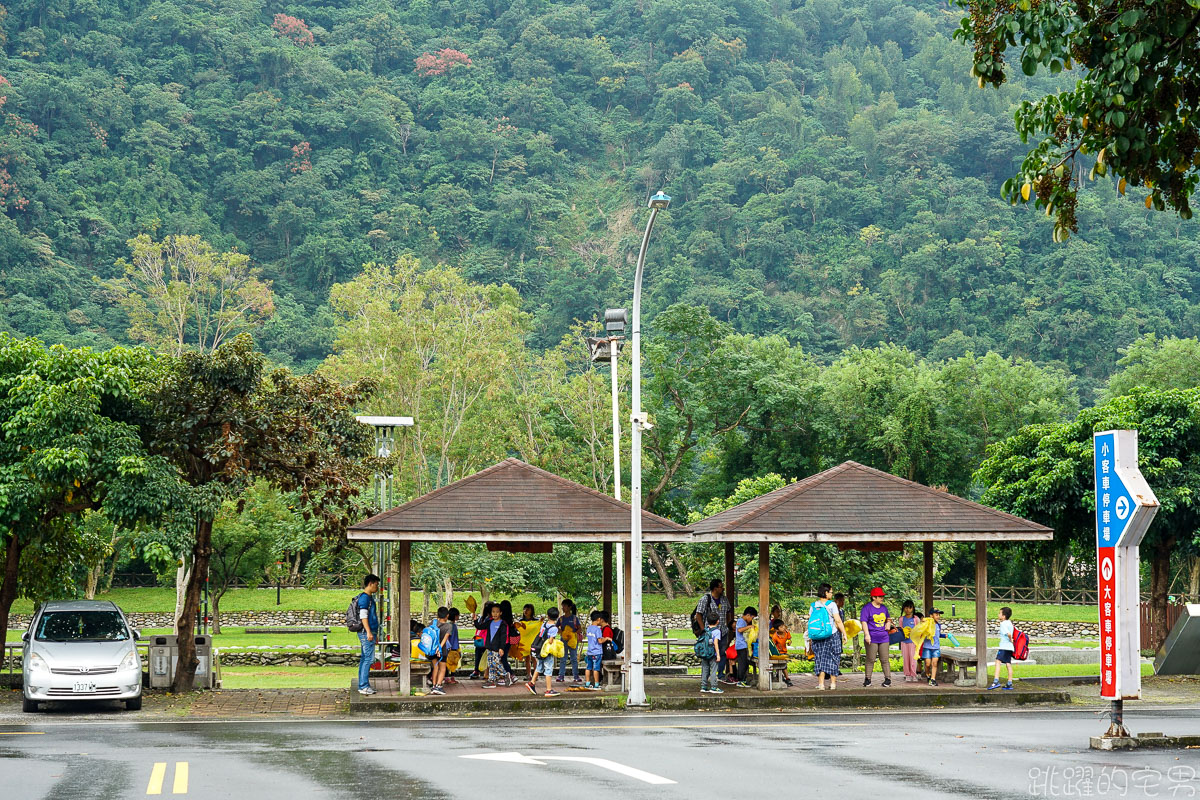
653, 623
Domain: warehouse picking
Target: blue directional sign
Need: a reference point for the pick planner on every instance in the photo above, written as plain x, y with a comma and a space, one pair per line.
1114, 503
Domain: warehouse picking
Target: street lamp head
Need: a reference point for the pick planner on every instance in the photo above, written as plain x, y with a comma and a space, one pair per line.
659, 200
615, 321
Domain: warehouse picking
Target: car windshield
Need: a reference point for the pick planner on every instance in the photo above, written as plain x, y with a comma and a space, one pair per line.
81, 626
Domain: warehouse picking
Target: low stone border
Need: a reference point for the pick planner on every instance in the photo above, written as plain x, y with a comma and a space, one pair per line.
335, 619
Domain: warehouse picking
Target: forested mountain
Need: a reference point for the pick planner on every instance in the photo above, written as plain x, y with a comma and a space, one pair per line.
834, 168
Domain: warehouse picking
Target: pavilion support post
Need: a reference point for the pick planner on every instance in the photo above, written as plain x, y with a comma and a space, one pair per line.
627, 611
393, 584
606, 582
981, 596
403, 613
764, 617
730, 582
927, 552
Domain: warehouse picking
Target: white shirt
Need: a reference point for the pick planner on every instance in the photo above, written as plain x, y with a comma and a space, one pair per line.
1006, 634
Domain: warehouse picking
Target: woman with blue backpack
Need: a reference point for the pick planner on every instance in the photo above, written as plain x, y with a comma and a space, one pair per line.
825, 634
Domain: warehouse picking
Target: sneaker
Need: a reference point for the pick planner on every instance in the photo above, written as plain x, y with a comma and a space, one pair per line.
367, 690
437, 690
1007, 687
559, 680
728, 682
550, 693
995, 685
820, 688
488, 685
577, 679
867, 682
718, 690
703, 690
744, 685
886, 682
474, 676
595, 687
932, 682
532, 689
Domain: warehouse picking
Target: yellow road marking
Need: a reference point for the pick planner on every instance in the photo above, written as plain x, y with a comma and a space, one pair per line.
181, 778
22, 733
703, 725
156, 778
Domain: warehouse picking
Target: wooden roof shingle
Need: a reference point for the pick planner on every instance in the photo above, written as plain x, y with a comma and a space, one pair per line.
855, 503
513, 502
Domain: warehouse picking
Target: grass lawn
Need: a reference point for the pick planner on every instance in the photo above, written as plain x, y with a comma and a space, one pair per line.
162, 600
286, 677
1055, 670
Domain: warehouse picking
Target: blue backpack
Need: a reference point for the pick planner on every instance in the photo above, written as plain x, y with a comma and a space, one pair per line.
431, 640
703, 648
820, 624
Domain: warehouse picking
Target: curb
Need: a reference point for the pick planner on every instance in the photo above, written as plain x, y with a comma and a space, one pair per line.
616, 703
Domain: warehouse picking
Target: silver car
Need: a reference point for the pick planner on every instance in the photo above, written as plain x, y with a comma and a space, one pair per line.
81, 650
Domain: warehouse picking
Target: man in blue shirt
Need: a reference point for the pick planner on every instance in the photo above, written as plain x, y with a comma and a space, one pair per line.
369, 618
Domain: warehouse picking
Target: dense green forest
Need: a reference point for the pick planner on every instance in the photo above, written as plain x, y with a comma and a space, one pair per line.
834, 168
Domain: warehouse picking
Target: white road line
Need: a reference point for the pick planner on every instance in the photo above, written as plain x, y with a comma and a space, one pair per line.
603, 763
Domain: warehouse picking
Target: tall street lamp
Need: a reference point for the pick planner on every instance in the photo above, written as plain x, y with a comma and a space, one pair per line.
608, 349
641, 422
385, 428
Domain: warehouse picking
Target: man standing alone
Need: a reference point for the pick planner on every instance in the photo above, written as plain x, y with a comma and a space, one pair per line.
369, 619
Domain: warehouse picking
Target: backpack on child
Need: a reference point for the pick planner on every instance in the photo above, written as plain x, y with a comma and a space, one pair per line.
353, 623
703, 648
1020, 645
820, 624
431, 640
536, 648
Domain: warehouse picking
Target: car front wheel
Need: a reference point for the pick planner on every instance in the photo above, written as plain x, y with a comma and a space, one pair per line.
29, 706
135, 704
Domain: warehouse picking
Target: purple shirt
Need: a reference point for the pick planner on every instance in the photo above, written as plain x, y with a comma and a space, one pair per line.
874, 623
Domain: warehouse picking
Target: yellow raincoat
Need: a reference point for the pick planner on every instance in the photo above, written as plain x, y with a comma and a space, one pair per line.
529, 631
925, 629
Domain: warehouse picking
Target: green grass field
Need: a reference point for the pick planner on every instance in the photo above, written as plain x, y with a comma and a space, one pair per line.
162, 600
286, 677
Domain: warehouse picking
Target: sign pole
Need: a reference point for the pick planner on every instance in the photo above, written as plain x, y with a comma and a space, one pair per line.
1125, 506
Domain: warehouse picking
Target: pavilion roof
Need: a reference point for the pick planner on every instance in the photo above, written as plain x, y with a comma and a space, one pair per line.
513, 502
853, 503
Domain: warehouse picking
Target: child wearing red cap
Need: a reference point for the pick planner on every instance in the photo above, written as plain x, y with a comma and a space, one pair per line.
876, 624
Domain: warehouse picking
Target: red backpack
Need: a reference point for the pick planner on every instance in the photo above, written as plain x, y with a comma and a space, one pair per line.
1020, 645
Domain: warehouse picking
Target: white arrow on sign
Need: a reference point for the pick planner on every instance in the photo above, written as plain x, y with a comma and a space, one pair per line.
603, 763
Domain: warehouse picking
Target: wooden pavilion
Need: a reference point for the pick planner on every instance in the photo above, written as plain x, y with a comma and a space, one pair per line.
517, 507
857, 507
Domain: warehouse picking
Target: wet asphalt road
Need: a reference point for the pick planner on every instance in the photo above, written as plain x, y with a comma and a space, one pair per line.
928, 755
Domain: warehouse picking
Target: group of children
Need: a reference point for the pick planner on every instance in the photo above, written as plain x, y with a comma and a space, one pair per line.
732, 665
913, 632
541, 642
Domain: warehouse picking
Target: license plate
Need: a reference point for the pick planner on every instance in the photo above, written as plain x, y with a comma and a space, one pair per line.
84, 688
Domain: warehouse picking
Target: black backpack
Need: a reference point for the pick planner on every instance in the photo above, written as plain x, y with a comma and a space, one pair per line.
618, 641
353, 623
702, 612
535, 649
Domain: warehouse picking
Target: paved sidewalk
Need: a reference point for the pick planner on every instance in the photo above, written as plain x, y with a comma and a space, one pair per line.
218, 704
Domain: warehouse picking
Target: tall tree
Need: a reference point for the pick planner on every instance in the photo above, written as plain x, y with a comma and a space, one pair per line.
441, 349
69, 443
224, 423
1046, 473
1154, 363
180, 293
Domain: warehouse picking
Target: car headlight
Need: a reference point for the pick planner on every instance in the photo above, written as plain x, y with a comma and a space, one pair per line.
130, 661
37, 663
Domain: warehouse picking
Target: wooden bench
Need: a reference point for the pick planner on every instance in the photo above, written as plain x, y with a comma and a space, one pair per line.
291, 629
958, 660
613, 672
778, 672
415, 668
